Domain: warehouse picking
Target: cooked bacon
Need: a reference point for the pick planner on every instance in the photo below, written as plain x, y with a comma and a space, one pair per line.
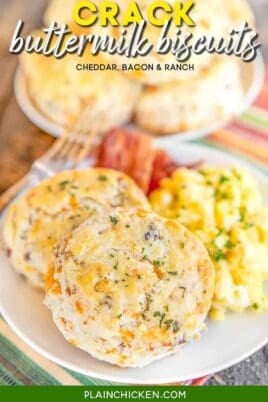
143, 161
163, 167
132, 153
129, 152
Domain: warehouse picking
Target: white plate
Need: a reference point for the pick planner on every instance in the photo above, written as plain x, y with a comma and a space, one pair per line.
221, 346
252, 78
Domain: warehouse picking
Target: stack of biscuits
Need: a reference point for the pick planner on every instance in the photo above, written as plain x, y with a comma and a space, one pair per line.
160, 102
123, 284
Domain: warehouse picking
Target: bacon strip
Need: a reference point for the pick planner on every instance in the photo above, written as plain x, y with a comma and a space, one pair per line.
129, 152
132, 152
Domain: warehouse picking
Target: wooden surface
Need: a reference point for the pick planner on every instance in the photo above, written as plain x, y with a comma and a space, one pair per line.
21, 142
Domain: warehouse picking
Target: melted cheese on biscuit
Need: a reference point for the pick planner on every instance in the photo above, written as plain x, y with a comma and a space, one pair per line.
134, 286
37, 221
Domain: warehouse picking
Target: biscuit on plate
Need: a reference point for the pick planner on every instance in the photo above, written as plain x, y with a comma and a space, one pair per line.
61, 92
214, 96
37, 221
130, 287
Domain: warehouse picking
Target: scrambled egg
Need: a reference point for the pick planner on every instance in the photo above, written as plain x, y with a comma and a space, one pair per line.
224, 208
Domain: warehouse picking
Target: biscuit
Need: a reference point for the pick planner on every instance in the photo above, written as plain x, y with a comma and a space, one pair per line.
214, 96
61, 92
130, 287
38, 220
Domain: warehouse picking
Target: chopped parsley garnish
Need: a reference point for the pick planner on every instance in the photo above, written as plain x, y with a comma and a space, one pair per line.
115, 266
149, 300
242, 216
171, 323
119, 315
158, 263
168, 323
161, 319
219, 255
166, 307
224, 179
173, 273
255, 306
176, 327
183, 290
63, 184
219, 195
102, 177
229, 244
114, 220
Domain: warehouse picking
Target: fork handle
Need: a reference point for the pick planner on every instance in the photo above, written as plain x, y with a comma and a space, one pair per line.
11, 193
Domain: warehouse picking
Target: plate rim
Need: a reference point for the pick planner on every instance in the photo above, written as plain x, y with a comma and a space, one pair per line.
55, 130
112, 378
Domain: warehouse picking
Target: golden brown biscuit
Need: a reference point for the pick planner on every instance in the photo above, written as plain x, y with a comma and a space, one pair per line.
61, 92
37, 221
214, 96
130, 287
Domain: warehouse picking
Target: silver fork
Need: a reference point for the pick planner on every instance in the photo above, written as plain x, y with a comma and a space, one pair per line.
66, 153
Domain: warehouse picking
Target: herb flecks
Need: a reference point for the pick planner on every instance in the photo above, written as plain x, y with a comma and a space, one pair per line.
63, 184
219, 255
115, 266
229, 244
102, 177
161, 317
158, 263
176, 327
167, 323
114, 220
224, 179
183, 290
